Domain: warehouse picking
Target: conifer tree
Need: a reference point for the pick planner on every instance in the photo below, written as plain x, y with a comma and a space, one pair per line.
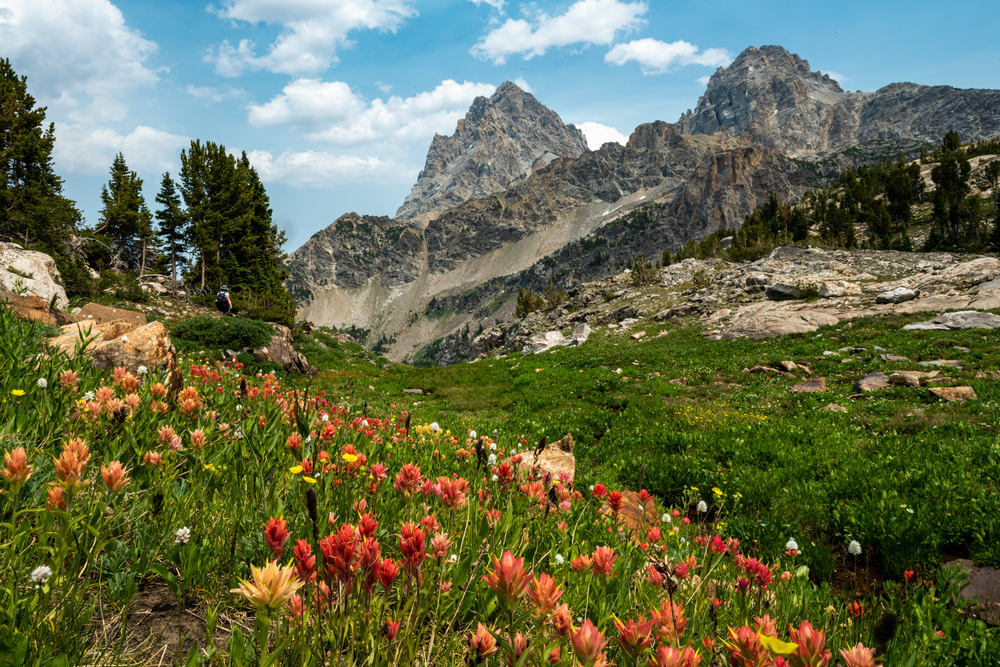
172, 223
125, 218
33, 211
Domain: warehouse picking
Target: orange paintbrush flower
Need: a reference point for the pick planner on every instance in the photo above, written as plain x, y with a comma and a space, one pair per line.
509, 580
483, 643
17, 470
544, 592
587, 643
56, 500
603, 562
115, 477
859, 656
272, 585
634, 636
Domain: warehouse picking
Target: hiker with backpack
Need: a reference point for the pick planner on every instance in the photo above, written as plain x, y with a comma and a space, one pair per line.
223, 302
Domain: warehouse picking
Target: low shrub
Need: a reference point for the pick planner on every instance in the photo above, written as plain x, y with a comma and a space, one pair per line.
220, 333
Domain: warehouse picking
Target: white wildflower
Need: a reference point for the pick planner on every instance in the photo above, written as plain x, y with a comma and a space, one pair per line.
495, 478
325, 417
854, 548
454, 558
665, 518
559, 559
791, 545
142, 370
182, 536
702, 506
472, 434
493, 446
89, 396
591, 487
239, 408
40, 575
364, 423
492, 460
42, 383
435, 428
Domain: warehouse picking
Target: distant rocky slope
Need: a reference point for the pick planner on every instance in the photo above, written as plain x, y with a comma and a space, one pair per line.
770, 97
501, 141
495, 209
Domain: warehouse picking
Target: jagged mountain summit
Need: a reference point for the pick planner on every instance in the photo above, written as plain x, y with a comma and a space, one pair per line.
502, 140
495, 209
771, 97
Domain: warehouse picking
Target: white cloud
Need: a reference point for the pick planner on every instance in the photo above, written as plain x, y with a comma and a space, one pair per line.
597, 135
318, 169
73, 48
523, 85
703, 80
90, 150
312, 30
384, 87
331, 112
839, 78
656, 57
586, 21
212, 94
495, 4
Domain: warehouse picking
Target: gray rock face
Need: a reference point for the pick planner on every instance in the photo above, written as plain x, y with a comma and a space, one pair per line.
30, 273
966, 319
501, 141
871, 382
898, 295
784, 292
772, 97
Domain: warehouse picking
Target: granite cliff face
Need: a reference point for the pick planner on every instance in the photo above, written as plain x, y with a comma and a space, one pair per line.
501, 141
771, 97
514, 198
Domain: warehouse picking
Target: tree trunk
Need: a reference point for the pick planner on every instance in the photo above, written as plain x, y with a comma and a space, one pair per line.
142, 263
203, 269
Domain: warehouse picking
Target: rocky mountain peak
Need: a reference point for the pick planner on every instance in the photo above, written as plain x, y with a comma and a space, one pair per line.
502, 140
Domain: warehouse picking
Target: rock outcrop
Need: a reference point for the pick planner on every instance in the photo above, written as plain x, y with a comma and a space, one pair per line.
118, 343
502, 140
30, 273
771, 97
281, 350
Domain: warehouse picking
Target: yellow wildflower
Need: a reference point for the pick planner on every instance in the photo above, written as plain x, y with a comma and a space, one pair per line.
272, 585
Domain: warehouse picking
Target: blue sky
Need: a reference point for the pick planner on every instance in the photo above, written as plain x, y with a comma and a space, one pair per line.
336, 101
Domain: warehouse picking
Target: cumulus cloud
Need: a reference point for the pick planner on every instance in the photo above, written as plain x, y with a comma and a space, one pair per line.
597, 135
585, 22
331, 112
312, 30
656, 57
319, 170
212, 94
70, 49
81, 149
521, 83
703, 80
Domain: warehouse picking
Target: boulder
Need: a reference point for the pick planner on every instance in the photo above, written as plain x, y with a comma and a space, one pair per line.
680, 381
898, 295
101, 314
966, 319
892, 357
954, 393
555, 459
871, 382
943, 363
984, 588
580, 334
834, 288
788, 366
34, 309
281, 350
809, 386
148, 345
910, 378
543, 342
833, 407
30, 273
784, 292
155, 288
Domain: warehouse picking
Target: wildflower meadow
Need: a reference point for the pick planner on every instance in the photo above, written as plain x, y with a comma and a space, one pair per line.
279, 524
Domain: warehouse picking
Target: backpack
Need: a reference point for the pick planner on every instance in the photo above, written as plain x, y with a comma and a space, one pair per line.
221, 302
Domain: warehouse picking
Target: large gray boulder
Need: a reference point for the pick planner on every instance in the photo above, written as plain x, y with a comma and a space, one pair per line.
966, 319
898, 295
30, 273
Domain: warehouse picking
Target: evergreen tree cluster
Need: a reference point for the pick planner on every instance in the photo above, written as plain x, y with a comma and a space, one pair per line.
212, 227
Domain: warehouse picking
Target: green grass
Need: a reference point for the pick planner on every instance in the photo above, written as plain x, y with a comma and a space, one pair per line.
799, 470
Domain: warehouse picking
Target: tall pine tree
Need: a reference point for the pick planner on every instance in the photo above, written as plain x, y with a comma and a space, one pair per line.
125, 218
33, 211
172, 225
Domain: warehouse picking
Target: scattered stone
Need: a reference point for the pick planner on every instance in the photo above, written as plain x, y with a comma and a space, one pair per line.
871, 382
418, 392
961, 349
101, 314
966, 319
828, 353
954, 393
834, 288
910, 378
949, 363
681, 381
758, 369
898, 295
543, 342
984, 586
809, 386
33, 309
784, 292
892, 357
788, 366
833, 407
580, 334
557, 458
655, 374
281, 350
638, 334
988, 375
